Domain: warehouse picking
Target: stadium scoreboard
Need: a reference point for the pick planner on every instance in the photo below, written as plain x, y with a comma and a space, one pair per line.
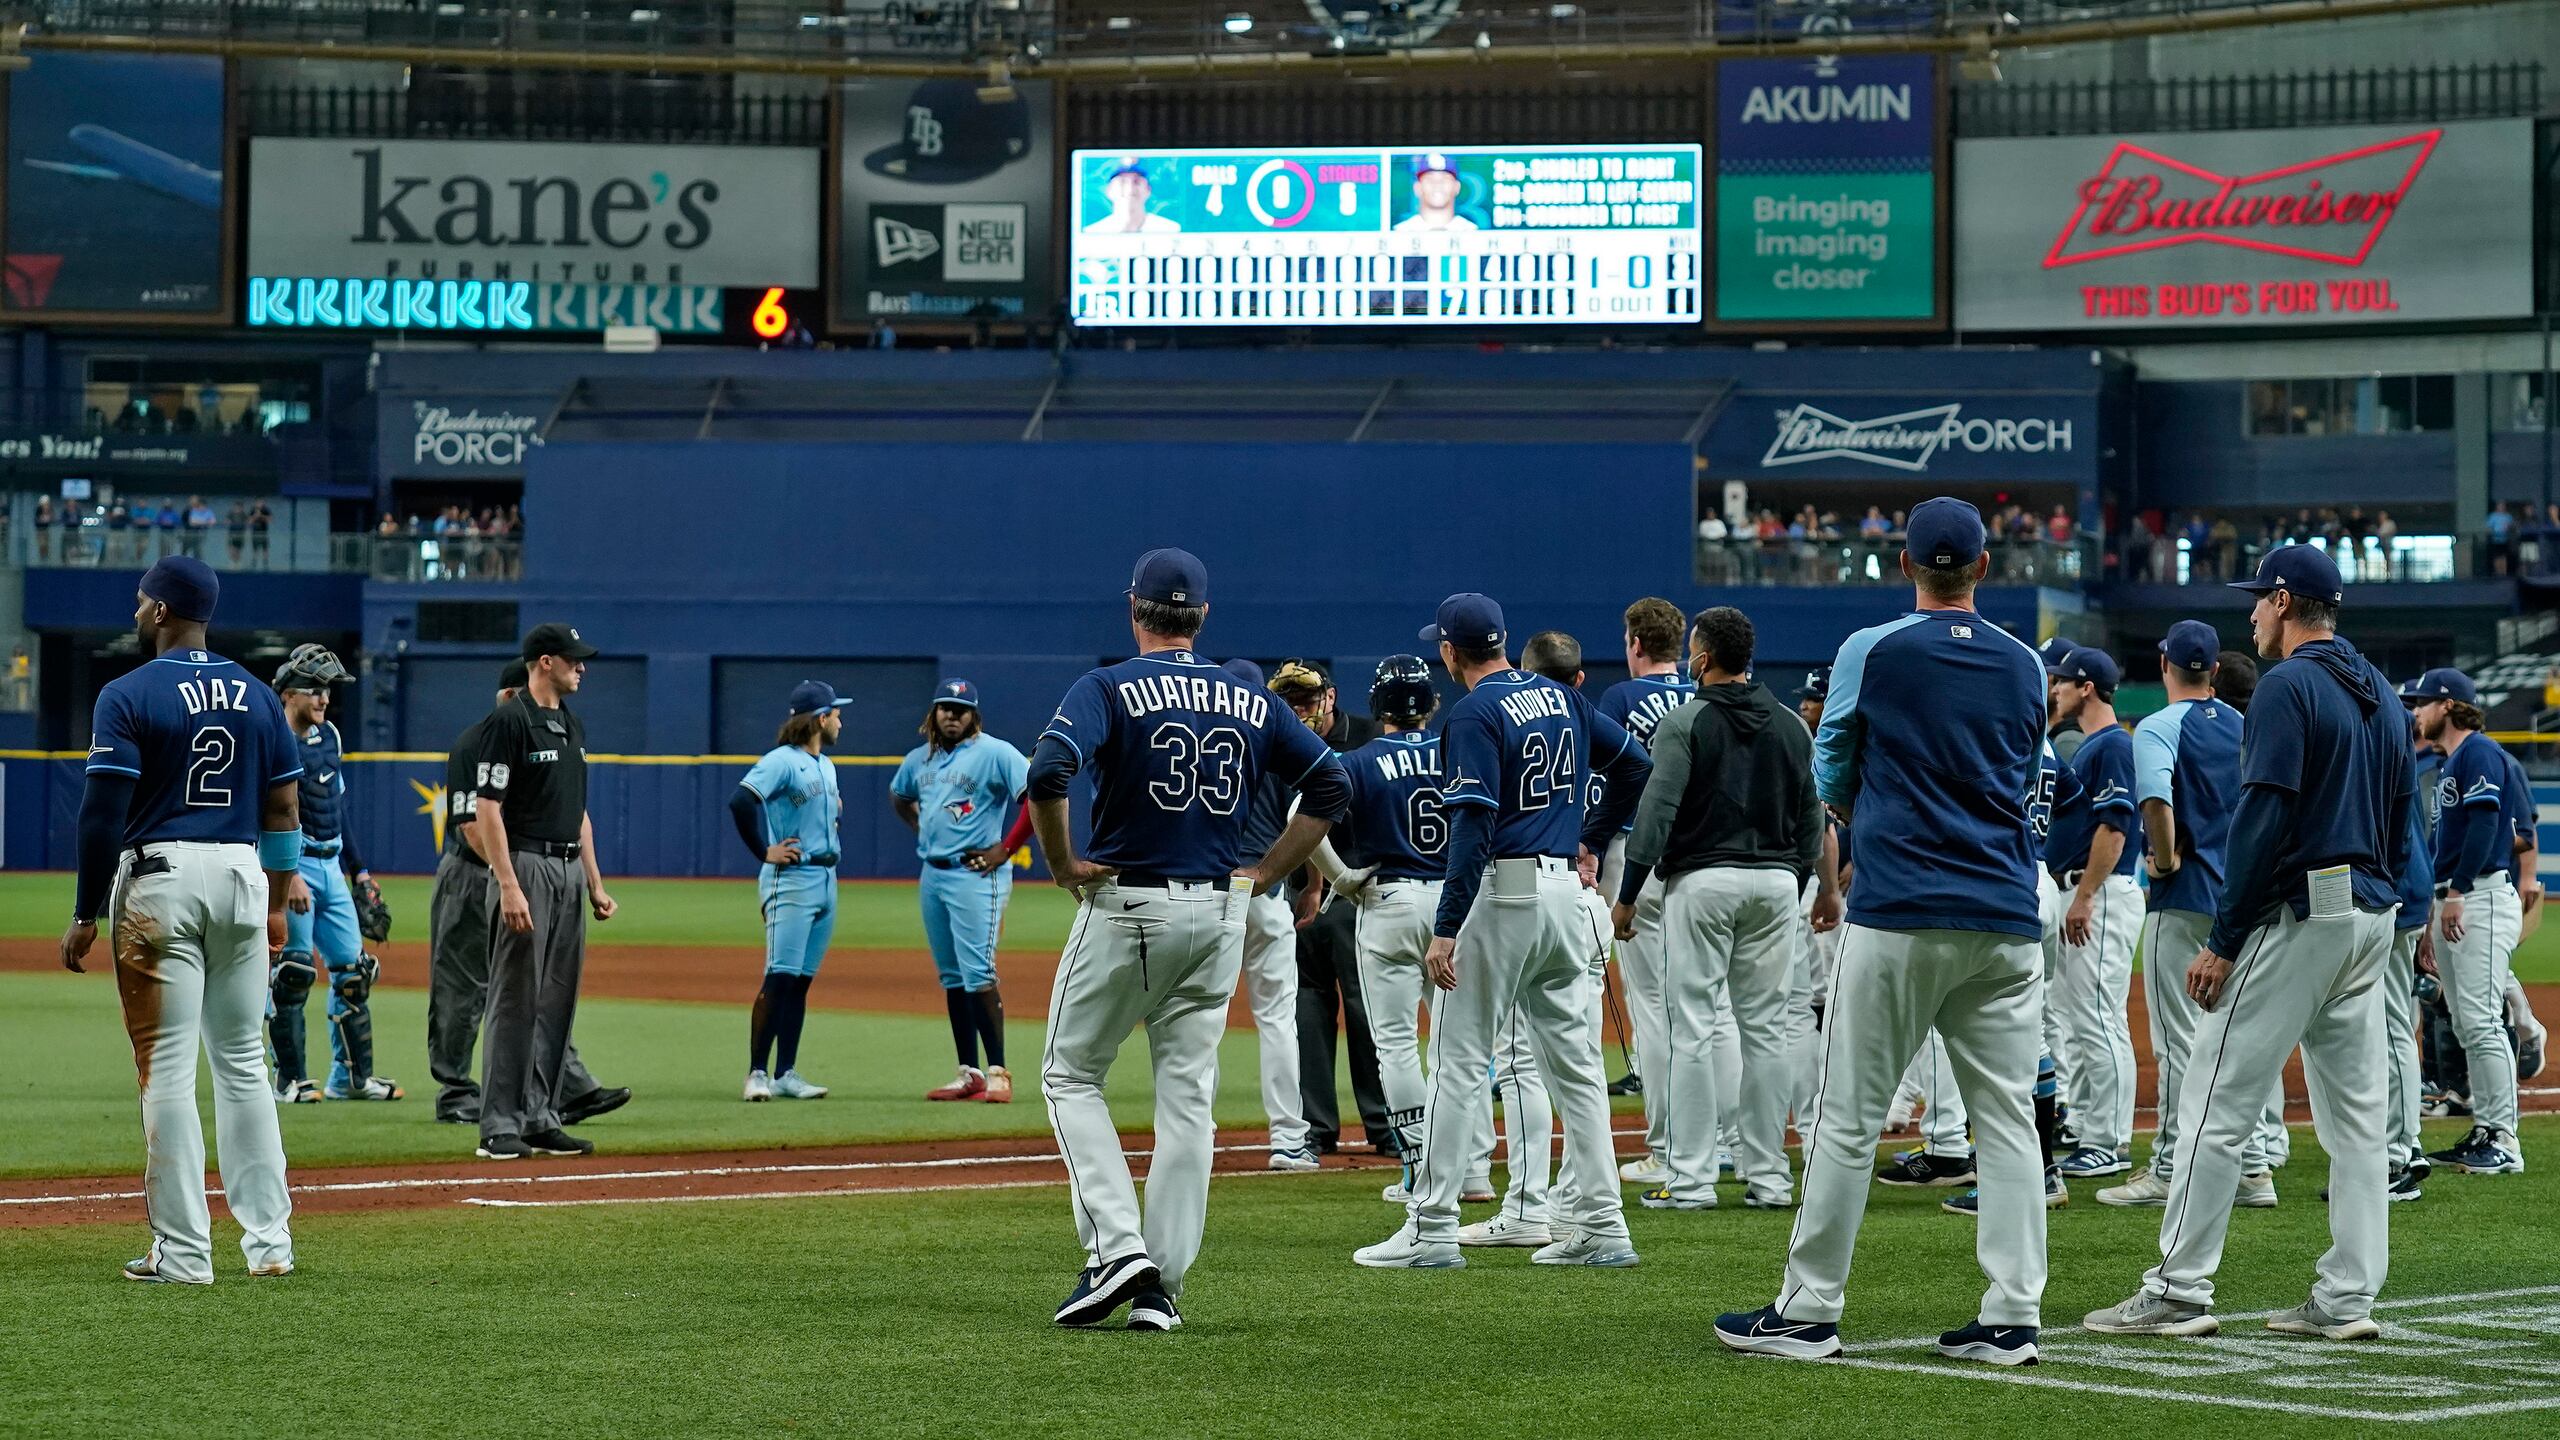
1462, 235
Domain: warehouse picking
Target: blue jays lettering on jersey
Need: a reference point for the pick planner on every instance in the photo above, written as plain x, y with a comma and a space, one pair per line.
2188, 757
800, 798
1175, 747
323, 784
961, 793
204, 742
1639, 703
1518, 745
2104, 767
2474, 838
1933, 730
1395, 821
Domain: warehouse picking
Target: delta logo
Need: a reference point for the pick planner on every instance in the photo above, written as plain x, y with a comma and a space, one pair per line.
2332, 210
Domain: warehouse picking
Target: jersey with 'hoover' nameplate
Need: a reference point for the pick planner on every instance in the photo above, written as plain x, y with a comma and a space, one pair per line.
204, 742
533, 762
1518, 745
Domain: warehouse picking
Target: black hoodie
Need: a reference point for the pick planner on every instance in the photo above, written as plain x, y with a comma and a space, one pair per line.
1732, 786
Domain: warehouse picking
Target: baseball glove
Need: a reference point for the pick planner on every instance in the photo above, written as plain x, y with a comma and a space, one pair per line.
1297, 682
373, 917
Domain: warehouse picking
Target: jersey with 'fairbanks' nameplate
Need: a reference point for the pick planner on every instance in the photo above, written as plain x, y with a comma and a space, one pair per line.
204, 741
1639, 703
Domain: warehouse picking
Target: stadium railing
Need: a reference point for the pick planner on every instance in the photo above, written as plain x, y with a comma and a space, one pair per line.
1750, 560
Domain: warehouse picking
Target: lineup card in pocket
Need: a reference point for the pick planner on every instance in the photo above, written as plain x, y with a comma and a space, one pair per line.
2333, 892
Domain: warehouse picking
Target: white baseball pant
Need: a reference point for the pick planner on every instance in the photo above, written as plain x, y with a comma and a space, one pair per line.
2296, 982
190, 946
1809, 979
2475, 970
1640, 969
1528, 1123
1271, 990
2052, 902
1168, 957
1392, 930
2095, 981
1729, 932
1978, 988
1944, 1130
2170, 940
2400, 1032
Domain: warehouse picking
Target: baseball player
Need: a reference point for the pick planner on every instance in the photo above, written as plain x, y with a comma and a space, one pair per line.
2186, 761
2478, 921
1435, 195
1514, 755
2092, 852
1129, 189
1928, 748
2061, 729
320, 909
786, 811
2412, 952
192, 792
1654, 687
952, 791
1270, 977
2300, 938
1730, 823
1175, 747
1816, 949
458, 946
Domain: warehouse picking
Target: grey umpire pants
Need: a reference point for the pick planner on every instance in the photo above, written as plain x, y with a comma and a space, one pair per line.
533, 996
458, 989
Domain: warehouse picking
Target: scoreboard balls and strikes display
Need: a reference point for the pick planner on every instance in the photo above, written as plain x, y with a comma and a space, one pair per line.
1464, 235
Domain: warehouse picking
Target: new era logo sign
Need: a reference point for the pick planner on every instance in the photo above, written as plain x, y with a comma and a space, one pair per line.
895, 242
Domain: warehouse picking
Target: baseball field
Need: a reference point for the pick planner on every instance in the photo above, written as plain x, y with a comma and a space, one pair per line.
871, 1263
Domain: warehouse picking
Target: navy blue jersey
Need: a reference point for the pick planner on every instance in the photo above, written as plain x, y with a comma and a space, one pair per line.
2524, 817
2323, 727
1395, 821
2471, 792
204, 741
2055, 785
2104, 767
2188, 757
1264, 818
2418, 867
1639, 703
1933, 729
323, 787
1519, 745
1176, 747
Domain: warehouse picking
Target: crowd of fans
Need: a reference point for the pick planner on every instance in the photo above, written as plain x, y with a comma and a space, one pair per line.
139, 531
485, 544
2218, 547
1815, 546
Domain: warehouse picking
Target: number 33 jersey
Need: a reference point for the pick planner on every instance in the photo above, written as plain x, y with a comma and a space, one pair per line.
1174, 747
204, 741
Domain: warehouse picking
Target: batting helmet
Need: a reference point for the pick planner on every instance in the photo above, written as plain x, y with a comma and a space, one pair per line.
310, 667
1402, 690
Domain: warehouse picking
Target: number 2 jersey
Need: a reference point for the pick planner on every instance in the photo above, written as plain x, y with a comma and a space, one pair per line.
204, 741
1175, 747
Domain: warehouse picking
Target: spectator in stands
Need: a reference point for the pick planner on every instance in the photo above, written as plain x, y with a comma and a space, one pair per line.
199, 522
260, 519
129, 419
2502, 538
44, 529
389, 529
1873, 527
69, 518
2386, 534
2551, 688
171, 520
21, 678
2223, 545
2058, 529
236, 521
119, 532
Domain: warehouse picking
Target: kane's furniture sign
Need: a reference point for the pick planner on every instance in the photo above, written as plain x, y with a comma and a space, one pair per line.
2247, 227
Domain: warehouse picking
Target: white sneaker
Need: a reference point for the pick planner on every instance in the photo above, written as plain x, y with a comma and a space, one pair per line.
2144, 1189
1610, 1252
1397, 1194
789, 1086
2257, 1192
1296, 1157
1478, 1191
1406, 1250
759, 1085
1648, 1171
1506, 1230
2308, 1318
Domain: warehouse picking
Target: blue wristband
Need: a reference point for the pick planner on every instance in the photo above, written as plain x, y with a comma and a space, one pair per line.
279, 850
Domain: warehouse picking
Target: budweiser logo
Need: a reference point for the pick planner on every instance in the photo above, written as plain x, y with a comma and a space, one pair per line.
2331, 210
1909, 440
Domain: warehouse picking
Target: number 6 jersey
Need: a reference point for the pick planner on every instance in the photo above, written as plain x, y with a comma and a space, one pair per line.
204, 741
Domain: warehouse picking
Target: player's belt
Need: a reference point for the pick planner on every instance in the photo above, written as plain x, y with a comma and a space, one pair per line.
1149, 880
322, 849
944, 862
806, 862
554, 849
2069, 878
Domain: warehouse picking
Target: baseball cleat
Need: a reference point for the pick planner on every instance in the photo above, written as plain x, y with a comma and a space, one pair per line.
2091, 1161
503, 1147
557, 1142
1917, 1169
1660, 1198
1000, 1092
2404, 1186
2308, 1318
601, 1102
759, 1085
2056, 1195
1478, 1191
1648, 1171
789, 1086
2444, 1105
1766, 1332
1296, 1157
2419, 1164
1755, 1200
375, 1087
1991, 1344
1607, 1252
1627, 1084
297, 1092
969, 1084
272, 1270
1152, 1309
1104, 1288
2146, 1314
1407, 1250
2144, 1190
2532, 1039
1506, 1230
2257, 1192
1724, 1165
147, 1271
1398, 1193
2480, 1153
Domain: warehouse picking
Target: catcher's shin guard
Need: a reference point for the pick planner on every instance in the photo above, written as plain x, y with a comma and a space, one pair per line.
288, 987
354, 1021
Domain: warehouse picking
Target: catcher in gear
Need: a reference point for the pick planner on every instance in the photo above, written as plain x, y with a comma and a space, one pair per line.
322, 929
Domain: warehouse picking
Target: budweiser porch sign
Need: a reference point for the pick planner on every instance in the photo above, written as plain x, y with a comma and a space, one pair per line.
2260, 227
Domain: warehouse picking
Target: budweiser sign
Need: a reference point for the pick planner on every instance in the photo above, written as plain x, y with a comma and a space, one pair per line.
1908, 440
2332, 210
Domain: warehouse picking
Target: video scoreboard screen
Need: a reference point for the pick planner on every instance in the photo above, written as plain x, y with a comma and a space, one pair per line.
1465, 235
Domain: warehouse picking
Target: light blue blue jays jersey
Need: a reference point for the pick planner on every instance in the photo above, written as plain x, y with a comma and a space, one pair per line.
204, 742
800, 800
324, 784
2187, 756
1639, 703
961, 793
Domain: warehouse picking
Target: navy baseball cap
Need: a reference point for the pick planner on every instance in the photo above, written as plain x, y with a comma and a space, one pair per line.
2443, 683
2096, 666
956, 692
2192, 645
1244, 670
2055, 651
185, 584
1943, 533
1431, 160
814, 697
2301, 569
514, 675
1170, 577
1467, 619
948, 136
1816, 686
1129, 165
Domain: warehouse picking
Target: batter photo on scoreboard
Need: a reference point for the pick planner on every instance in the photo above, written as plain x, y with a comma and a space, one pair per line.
1438, 198
1128, 191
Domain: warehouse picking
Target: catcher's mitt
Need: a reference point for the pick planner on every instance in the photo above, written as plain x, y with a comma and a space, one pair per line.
373, 917
1298, 682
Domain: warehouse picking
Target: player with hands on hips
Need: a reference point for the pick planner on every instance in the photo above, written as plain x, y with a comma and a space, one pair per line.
1270, 976
190, 829
1175, 747
2301, 937
1511, 933
786, 809
2092, 852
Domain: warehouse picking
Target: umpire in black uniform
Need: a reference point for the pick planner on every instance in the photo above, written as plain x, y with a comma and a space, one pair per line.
458, 946
532, 828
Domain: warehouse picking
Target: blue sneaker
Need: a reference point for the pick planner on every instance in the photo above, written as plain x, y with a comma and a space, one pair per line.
1766, 1332
1152, 1309
2482, 1152
2091, 1161
1105, 1288
1991, 1344
2056, 1195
